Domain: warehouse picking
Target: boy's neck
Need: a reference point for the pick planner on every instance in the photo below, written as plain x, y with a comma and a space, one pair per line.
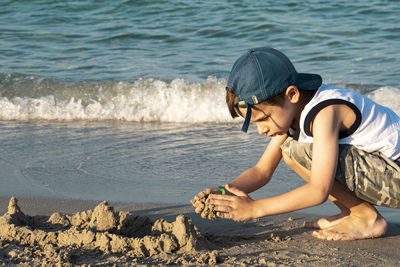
304, 99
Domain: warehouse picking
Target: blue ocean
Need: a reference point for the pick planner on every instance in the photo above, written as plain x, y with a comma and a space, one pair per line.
124, 100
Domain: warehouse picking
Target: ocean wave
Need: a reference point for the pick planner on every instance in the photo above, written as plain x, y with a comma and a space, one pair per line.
146, 100
387, 96
24, 97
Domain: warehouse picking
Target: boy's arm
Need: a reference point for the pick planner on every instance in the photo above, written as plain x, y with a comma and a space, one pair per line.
259, 175
255, 177
325, 130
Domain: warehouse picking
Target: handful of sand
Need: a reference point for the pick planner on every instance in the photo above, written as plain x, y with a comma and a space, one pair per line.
208, 210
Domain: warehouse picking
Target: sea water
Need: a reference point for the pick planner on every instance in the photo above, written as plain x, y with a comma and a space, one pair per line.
125, 100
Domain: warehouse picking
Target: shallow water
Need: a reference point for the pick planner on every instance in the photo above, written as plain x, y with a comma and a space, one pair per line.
140, 162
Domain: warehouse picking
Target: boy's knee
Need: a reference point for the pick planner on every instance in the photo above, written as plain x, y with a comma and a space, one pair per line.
287, 159
291, 162
295, 153
287, 150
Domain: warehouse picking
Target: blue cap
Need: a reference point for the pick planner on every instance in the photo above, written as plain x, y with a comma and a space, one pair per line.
263, 73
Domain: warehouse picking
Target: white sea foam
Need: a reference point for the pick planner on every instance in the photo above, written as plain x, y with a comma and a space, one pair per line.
145, 100
387, 96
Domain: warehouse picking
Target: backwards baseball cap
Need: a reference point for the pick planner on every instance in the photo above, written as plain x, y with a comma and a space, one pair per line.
263, 73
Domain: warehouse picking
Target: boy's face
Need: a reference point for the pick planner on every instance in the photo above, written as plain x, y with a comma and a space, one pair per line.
274, 119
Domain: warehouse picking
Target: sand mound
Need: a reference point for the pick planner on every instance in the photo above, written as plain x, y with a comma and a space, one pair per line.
208, 209
101, 229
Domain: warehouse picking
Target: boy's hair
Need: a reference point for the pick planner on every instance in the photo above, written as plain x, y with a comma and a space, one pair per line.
232, 100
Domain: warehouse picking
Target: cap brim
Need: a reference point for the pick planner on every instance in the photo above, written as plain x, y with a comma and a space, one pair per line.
308, 81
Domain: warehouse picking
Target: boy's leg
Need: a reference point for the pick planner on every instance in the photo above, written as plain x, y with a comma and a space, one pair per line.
358, 219
323, 222
293, 149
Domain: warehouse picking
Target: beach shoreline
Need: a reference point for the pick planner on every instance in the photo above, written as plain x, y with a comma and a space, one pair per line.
270, 241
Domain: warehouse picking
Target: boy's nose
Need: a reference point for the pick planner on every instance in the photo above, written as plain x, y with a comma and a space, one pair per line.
261, 129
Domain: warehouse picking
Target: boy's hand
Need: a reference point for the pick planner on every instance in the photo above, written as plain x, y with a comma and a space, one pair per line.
237, 206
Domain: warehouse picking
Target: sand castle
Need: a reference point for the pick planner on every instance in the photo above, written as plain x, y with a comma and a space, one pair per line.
102, 229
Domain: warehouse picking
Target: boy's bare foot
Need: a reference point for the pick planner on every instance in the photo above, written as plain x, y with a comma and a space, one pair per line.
354, 227
324, 223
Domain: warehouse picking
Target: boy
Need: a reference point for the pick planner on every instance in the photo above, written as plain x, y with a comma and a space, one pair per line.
341, 143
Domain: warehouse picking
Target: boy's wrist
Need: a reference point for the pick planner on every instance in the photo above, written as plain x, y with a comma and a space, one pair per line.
259, 209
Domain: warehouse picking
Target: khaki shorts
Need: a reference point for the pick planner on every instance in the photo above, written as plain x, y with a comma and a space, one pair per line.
371, 176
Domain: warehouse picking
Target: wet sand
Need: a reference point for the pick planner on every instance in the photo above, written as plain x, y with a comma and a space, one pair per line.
82, 233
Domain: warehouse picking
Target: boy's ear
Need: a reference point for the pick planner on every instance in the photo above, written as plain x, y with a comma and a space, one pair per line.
293, 94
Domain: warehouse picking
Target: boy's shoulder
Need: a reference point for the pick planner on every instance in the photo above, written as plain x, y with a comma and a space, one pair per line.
328, 88
330, 94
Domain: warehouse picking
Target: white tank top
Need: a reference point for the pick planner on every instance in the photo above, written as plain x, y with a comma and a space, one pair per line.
376, 128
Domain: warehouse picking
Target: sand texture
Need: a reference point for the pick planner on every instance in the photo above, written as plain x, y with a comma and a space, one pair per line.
208, 209
79, 233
